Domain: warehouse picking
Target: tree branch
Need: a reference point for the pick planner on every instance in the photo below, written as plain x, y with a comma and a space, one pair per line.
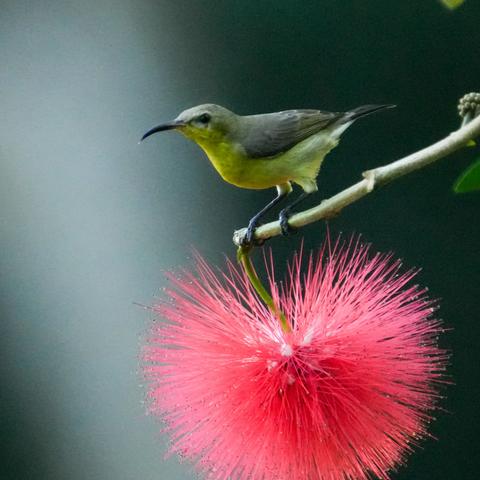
372, 179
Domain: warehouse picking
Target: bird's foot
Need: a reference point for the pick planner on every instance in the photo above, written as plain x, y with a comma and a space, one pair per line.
287, 229
249, 239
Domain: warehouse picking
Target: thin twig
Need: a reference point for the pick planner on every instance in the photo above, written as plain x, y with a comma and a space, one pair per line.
372, 179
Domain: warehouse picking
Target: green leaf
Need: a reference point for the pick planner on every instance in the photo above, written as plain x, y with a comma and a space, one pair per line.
452, 4
469, 180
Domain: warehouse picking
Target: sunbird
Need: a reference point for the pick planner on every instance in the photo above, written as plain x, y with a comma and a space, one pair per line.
266, 150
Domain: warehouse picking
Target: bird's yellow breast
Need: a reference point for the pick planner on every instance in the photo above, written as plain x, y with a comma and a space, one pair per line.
300, 163
235, 167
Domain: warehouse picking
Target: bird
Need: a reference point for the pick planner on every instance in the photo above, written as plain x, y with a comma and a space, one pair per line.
270, 150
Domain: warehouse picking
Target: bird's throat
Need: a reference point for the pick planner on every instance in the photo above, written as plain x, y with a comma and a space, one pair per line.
225, 158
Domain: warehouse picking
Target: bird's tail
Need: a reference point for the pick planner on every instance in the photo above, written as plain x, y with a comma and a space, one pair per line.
362, 111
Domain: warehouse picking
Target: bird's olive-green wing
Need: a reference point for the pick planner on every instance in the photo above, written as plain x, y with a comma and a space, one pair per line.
274, 133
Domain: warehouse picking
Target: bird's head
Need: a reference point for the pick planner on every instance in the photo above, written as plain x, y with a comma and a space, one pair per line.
207, 123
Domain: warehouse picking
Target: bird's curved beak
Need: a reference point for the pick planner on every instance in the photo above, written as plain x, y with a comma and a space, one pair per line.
162, 127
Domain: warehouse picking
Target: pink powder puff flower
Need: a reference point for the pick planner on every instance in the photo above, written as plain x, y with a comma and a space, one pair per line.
346, 394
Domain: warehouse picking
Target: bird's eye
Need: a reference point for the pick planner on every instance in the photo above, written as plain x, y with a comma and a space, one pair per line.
204, 118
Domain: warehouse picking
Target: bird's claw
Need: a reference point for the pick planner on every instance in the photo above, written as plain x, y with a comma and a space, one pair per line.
249, 239
287, 229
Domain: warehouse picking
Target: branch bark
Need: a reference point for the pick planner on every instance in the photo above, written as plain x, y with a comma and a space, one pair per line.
372, 179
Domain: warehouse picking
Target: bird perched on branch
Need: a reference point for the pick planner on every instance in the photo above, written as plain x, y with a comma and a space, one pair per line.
267, 150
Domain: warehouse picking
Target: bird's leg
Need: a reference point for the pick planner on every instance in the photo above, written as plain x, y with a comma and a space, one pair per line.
287, 212
282, 191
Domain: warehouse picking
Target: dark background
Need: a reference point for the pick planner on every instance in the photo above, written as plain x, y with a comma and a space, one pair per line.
90, 219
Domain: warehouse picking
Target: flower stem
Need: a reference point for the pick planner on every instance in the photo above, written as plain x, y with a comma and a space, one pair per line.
243, 256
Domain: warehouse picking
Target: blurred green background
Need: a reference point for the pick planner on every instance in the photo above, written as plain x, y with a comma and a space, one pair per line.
90, 219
